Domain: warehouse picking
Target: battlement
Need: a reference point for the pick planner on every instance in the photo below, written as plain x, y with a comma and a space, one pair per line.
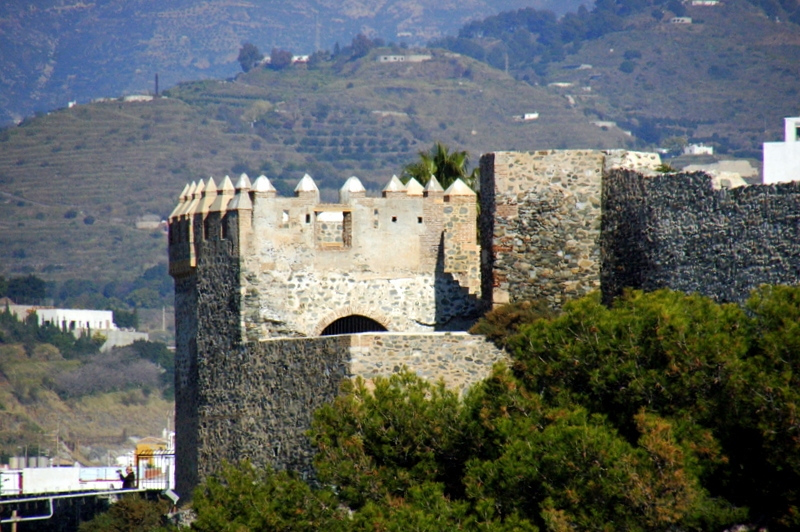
296, 246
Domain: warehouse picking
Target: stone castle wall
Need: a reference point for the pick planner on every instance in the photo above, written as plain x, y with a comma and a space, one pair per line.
676, 231
540, 221
253, 270
257, 401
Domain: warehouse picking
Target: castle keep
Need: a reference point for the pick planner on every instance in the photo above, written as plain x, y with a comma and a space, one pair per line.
279, 299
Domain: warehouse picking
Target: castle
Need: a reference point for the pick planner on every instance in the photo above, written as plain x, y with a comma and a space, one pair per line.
280, 299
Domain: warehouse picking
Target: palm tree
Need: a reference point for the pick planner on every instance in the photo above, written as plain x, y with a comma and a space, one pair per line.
447, 166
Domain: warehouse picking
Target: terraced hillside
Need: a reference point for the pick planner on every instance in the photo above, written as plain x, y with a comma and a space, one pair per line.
74, 183
56, 51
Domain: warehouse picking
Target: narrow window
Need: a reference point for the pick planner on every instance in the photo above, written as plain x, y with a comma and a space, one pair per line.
394, 218
308, 218
419, 219
224, 223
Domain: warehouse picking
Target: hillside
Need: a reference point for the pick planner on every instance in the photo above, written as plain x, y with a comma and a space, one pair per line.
74, 182
726, 79
63, 398
56, 51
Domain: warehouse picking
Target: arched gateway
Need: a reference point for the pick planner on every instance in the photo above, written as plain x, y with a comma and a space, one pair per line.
352, 324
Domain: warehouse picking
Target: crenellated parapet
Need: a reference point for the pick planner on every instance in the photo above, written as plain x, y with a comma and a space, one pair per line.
411, 232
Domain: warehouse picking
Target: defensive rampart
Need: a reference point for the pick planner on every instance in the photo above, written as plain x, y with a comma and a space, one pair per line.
540, 221
256, 401
676, 231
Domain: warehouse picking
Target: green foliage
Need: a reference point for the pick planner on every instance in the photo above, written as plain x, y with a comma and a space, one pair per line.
379, 444
280, 59
131, 514
249, 56
664, 412
243, 498
26, 290
445, 165
501, 323
29, 333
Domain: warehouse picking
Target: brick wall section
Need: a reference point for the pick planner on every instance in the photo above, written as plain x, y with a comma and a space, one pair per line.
676, 231
461, 250
258, 399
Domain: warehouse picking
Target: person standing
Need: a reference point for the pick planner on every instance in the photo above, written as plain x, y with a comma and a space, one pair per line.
128, 479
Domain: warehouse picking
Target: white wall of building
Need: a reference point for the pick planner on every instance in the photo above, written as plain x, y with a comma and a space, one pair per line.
782, 159
72, 319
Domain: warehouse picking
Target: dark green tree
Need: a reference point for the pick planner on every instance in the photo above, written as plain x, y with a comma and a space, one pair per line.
28, 289
249, 56
280, 59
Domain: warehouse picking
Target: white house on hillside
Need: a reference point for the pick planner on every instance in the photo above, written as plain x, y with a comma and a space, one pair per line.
782, 159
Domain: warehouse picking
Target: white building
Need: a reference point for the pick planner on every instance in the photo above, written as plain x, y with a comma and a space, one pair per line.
72, 319
698, 149
782, 159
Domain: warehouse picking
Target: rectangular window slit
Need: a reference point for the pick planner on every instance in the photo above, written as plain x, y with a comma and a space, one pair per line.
394, 218
308, 218
419, 219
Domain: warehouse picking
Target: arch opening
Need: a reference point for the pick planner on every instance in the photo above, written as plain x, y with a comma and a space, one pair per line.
353, 324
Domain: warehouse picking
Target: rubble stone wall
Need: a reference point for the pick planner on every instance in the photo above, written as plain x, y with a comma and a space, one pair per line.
676, 231
258, 400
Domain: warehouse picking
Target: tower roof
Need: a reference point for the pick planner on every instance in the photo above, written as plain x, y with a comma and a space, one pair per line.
263, 184
433, 185
306, 185
243, 183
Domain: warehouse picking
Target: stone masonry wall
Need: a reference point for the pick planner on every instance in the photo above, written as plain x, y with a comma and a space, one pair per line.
258, 400
543, 226
460, 359
540, 221
676, 231
402, 261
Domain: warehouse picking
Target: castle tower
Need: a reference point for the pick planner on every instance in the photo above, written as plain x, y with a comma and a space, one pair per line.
252, 266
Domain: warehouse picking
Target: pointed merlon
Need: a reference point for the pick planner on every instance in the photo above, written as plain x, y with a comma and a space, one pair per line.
306, 188
414, 188
186, 204
181, 203
243, 183
394, 187
433, 185
241, 201
459, 188
209, 195
306, 185
225, 193
262, 187
197, 193
352, 188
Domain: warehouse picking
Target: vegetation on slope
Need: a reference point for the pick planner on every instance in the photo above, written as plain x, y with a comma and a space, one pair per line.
58, 389
726, 79
665, 412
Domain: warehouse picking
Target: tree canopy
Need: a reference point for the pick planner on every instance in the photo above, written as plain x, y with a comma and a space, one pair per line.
249, 56
445, 165
663, 412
